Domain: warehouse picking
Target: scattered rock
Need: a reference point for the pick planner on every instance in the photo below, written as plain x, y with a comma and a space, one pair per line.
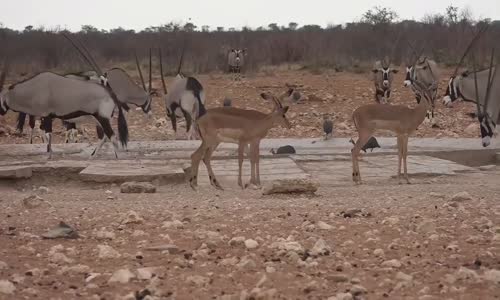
197, 280
33, 201
132, 218
492, 275
43, 190
487, 167
324, 226
354, 213
176, 224
146, 273
436, 195
237, 241
121, 276
378, 252
472, 129
298, 185
337, 278
172, 249
461, 197
107, 252
320, 248
357, 290
390, 221
251, 244
134, 187
59, 258
3, 265
6, 287
247, 264
63, 230
404, 277
393, 263
288, 246
102, 234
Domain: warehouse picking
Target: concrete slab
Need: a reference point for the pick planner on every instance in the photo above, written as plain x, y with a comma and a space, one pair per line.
270, 169
15, 172
132, 172
338, 170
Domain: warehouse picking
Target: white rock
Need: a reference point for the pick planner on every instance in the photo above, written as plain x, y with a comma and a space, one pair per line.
393, 263
59, 258
237, 240
436, 195
103, 234
251, 244
247, 264
462, 196
107, 252
342, 296
270, 269
357, 290
3, 265
320, 248
390, 221
324, 226
6, 287
146, 273
288, 246
176, 224
404, 277
197, 280
492, 275
472, 129
132, 218
378, 252
296, 185
121, 276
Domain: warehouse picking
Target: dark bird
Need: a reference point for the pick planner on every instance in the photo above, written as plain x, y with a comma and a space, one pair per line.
371, 144
327, 127
227, 102
284, 150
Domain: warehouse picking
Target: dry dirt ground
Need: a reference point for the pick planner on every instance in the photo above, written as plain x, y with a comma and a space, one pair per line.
408, 242
336, 94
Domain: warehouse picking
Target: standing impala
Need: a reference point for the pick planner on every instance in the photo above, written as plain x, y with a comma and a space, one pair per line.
399, 119
238, 126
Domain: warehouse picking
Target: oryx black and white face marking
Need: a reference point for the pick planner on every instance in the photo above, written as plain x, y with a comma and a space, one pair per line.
146, 107
487, 128
452, 93
387, 74
239, 55
4, 108
409, 76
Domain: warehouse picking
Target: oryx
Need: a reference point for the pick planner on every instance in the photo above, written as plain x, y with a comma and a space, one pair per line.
236, 61
186, 98
480, 87
383, 75
49, 95
126, 89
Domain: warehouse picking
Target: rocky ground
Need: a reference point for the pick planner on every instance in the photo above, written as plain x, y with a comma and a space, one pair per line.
438, 238
335, 94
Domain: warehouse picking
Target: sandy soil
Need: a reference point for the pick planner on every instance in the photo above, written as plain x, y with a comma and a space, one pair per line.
408, 242
336, 94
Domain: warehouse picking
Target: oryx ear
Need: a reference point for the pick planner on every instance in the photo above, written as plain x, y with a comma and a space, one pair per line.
375, 71
394, 71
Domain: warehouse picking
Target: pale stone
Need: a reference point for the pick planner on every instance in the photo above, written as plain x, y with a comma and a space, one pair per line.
121, 276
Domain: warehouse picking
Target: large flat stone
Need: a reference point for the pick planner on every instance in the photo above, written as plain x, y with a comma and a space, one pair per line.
15, 172
132, 172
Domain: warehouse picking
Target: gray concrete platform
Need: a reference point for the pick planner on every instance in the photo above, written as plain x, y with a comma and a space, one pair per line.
132, 172
15, 172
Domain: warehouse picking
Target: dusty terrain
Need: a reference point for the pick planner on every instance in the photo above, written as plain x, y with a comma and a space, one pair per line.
336, 94
376, 241
408, 242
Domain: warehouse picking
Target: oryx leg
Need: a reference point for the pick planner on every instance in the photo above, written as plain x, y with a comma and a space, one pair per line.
109, 135
32, 122
47, 126
363, 138
206, 159
189, 121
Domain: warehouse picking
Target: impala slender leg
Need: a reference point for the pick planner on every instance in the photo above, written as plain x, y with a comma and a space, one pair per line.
241, 149
400, 156
257, 163
206, 159
195, 163
362, 140
405, 155
252, 165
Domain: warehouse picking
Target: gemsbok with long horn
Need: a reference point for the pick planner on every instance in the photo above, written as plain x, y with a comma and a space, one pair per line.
49, 95
399, 119
237, 126
185, 97
236, 61
463, 87
383, 76
128, 92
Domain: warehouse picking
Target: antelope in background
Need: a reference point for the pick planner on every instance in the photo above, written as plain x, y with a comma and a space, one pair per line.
236, 61
399, 119
383, 76
186, 97
48, 95
483, 89
238, 126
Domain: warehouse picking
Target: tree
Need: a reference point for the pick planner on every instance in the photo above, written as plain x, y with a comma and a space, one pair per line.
190, 27
28, 28
220, 28
273, 27
88, 29
379, 16
205, 28
311, 27
452, 14
293, 26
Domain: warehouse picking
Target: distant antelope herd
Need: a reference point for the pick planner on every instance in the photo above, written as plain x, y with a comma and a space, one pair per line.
97, 95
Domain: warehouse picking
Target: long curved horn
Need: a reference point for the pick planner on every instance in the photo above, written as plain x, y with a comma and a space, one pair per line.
472, 42
4, 74
161, 73
182, 56
150, 87
84, 56
140, 71
478, 107
490, 80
